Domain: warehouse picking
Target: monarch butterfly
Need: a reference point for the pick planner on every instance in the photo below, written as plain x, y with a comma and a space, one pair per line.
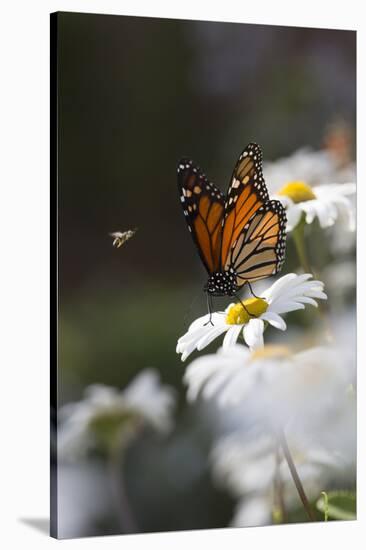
240, 237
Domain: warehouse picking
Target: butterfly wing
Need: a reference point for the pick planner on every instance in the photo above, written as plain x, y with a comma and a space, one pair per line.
203, 207
246, 194
259, 251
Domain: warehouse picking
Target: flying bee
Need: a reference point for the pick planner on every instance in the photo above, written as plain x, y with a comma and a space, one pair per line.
120, 237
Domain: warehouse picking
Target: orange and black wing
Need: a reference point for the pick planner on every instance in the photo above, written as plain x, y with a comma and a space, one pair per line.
259, 251
247, 193
203, 207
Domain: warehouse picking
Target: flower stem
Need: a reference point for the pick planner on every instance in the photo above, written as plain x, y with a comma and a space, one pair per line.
118, 488
295, 475
299, 239
279, 509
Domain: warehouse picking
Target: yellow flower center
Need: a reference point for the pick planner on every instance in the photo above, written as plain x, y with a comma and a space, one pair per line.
238, 315
297, 191
273, 351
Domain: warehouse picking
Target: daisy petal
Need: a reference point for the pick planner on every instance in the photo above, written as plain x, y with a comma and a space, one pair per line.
253, 333
210, 336
307, 300
282, 306
216, 319
188, 336
284, 285
274, 319
293, 214
231, 336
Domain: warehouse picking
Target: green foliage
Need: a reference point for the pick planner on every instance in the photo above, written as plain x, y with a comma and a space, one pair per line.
338, 505
112, 335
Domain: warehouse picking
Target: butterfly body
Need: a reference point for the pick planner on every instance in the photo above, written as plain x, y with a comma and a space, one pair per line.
240, 237
221, 283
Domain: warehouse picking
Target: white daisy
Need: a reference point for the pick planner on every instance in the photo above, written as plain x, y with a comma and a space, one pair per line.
313, 183
314, 167
283, 383
105, 411
289, 293
310, 392
233, 374
326, 202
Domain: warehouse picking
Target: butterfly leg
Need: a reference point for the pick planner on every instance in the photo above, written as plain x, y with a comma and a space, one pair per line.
209, 307
248, 312
251, 290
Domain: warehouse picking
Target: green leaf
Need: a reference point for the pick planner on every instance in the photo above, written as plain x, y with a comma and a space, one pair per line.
338, 505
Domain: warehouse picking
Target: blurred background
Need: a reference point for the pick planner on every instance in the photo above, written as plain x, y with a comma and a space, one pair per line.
135, 95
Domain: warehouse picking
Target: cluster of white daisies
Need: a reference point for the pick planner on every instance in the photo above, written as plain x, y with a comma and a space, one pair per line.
256, 386
263, 387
